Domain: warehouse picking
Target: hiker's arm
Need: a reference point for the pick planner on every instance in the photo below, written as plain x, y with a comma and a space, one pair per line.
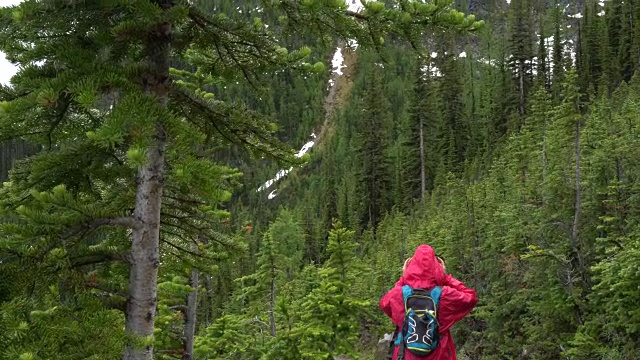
389, 298
391, 304
450, 281
385, 304
456, 302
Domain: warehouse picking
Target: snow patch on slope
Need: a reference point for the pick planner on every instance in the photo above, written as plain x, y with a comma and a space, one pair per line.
337, 64
284, 172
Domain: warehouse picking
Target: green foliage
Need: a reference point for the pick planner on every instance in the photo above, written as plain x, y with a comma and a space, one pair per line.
371, 151
331, 312
531, 187
60, 332
286, 345
228, 338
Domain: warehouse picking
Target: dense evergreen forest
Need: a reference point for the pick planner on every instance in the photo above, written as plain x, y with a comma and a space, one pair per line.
218, 179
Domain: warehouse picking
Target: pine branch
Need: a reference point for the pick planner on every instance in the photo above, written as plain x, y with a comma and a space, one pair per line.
21, 135
264, 144
99, 258
177, 247
181, 200
61, 116
125, 221
176, 353
114, 303
93, 285
202, 232
229, 41
356, 15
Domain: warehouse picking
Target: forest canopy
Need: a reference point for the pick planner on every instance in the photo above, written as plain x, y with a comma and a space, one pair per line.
155, 203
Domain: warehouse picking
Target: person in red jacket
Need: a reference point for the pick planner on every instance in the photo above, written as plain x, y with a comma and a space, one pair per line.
425, 270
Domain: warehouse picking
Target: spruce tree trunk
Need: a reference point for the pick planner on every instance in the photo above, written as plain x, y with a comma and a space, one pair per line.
423, 180
144, 256
576, 215
544, 158
521, 75
272, 304
190, 317
208, 301
576, 219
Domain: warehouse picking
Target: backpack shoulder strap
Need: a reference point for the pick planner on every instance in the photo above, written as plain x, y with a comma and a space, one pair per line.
435, 294
401, 345
406, 292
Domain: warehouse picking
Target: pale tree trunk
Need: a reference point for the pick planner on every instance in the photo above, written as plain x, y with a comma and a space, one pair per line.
544, 159
576, 215
144, 256
190, 317
521, 75
208, 301
423, 179
272, 302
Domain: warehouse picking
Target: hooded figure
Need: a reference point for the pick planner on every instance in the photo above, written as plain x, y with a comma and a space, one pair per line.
424, 271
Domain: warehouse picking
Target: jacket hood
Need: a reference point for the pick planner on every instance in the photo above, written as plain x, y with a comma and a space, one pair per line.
424, 270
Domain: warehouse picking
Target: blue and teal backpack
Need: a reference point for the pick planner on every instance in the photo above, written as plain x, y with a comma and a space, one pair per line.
419, 333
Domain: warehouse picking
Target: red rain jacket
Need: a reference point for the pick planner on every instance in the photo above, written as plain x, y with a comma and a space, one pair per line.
456, 301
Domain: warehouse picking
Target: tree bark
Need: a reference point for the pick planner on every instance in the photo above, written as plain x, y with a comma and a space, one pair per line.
190, 317
521, 75
144, 256
544, 159
272, 302
208, 301
423, 179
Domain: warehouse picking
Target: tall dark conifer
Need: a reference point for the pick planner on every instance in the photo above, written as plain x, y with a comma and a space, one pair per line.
455, 136
521, 46
542, 58
558, 52
372, 143
614, 17
625, 57
425, 115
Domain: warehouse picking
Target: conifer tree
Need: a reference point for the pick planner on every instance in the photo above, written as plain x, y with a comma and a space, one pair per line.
625, 56
608, 173
456, 129
372, 156
635, 42
562, 255
558, 49
424, 130
330, 312
279, 256
521, 49
614, 25
229, 337
542, 67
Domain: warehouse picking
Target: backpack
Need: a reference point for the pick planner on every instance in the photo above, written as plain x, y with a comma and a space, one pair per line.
419, 333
